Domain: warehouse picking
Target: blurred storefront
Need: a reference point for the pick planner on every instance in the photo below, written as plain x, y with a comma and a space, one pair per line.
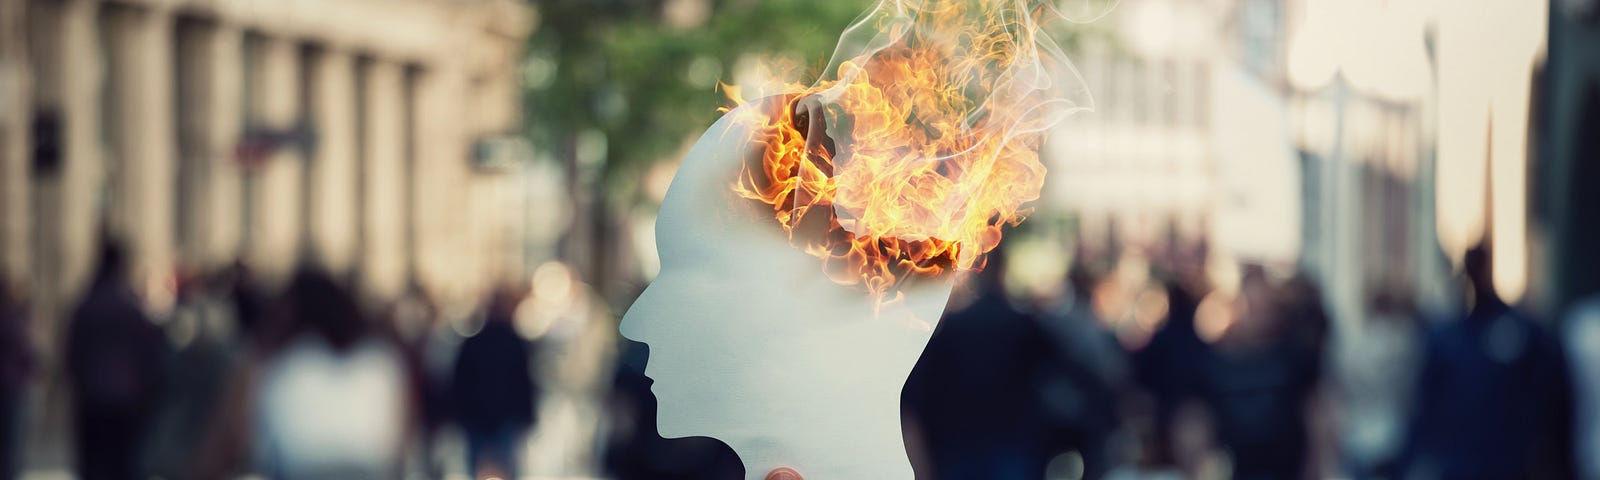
368, 136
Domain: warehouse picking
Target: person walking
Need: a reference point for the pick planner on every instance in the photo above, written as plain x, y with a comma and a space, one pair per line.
114, 359
493, 390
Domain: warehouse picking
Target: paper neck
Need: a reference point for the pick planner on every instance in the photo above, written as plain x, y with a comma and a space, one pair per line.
853, 449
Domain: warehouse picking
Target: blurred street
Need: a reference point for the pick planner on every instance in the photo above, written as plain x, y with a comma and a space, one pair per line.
394, 239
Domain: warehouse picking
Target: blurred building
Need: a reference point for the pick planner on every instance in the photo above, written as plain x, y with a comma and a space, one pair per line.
1366, 143
1188, 144
1363, 126
371, 136
1567, 150
1139, 169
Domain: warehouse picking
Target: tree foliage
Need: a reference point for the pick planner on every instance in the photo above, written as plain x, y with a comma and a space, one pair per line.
614, 67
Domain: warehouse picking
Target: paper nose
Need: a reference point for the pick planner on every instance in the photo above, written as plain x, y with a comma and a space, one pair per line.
632, 326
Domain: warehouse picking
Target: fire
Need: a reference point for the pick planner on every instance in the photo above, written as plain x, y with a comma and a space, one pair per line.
914, 151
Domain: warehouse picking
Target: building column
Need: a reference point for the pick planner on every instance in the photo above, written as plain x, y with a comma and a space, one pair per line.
82, 185
272, 232
16, 151
144, 206
66, 216
212, 66
442, 248
333, 192
383, 261
500, 233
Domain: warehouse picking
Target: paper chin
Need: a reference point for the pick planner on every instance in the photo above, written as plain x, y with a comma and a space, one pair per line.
670, 420
670, 428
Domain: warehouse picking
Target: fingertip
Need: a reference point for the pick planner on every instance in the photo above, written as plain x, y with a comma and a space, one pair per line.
784, 473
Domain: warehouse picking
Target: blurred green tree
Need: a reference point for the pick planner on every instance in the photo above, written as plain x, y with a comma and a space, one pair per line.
619, 69
613, 86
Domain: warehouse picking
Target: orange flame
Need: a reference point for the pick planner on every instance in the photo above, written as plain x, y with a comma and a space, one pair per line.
919, 149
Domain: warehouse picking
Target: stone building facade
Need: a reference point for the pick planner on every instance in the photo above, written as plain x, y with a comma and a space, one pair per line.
345, 132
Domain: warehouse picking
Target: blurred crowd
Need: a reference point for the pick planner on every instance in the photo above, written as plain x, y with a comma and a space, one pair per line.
303, 381
1163, 373
1148, 367
1143, 367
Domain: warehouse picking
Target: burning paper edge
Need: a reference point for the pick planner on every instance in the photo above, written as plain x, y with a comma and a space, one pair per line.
1042, 67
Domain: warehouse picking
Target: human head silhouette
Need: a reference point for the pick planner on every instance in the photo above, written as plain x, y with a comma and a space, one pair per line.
752, 343
113, 261
1478, 265
914, 148
320, 305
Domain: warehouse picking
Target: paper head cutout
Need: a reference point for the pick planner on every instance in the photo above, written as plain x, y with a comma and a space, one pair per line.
790, 340
752, 344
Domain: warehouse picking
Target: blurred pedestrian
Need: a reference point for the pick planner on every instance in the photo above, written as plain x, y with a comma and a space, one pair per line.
201, 330
1582, 341
1261, 378
1169, 368
493, 391
1492, 396
430, 355
1376, 369
18, 363
975, 393
1085, 381
331, 401
115, 361
249, 303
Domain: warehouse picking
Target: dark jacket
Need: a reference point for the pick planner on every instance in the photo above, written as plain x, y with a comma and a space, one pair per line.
1492, 400
114, 353
975, 392
493, 385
